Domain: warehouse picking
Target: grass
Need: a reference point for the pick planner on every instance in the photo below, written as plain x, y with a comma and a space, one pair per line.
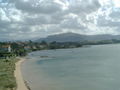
7, 79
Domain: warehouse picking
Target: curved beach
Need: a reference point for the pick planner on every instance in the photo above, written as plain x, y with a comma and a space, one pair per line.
19, 79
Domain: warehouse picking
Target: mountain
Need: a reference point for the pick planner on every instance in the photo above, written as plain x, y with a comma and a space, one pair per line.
74, 37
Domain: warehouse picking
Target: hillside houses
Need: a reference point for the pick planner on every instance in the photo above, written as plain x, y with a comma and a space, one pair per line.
5, 51
5, 48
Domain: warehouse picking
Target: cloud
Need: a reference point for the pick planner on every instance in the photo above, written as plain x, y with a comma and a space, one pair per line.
72, 23
26, 19
83, 6
37, 6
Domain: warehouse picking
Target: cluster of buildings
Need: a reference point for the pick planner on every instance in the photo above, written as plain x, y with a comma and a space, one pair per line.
18, 48
5, 51
5, 48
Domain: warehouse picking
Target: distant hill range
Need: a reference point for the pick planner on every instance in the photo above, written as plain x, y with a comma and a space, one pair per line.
74, 37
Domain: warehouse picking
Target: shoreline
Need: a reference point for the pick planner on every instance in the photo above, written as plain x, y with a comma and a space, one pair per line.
21, 84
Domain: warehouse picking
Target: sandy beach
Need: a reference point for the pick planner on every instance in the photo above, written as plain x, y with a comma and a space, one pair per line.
19, 79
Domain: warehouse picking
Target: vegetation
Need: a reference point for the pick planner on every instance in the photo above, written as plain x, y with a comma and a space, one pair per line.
112, 41
22, 48
7, 65
7, 79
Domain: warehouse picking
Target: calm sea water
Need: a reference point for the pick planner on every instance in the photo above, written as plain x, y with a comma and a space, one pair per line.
93, 68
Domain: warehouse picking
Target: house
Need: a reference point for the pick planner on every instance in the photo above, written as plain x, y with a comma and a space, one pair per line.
5, 51
27, 48
5, 48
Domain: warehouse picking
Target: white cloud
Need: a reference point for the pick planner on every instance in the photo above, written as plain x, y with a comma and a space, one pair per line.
39, 18
116, 3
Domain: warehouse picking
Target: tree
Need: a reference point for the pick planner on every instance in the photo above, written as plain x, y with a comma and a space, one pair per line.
43, 43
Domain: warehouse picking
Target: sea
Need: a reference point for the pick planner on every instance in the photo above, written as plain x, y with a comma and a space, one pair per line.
95, 67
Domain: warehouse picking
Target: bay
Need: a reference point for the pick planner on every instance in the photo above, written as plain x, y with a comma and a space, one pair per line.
93, 68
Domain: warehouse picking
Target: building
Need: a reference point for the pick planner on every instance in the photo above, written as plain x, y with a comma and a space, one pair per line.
6, 51
5, 48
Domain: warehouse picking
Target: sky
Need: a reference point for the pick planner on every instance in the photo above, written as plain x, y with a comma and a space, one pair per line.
28, 19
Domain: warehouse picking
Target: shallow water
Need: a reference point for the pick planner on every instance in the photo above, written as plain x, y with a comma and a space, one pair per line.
93, 68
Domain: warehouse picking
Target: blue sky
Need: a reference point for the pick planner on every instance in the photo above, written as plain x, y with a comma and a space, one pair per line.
26, 19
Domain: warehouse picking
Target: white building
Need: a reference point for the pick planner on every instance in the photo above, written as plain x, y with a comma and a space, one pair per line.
5, 48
